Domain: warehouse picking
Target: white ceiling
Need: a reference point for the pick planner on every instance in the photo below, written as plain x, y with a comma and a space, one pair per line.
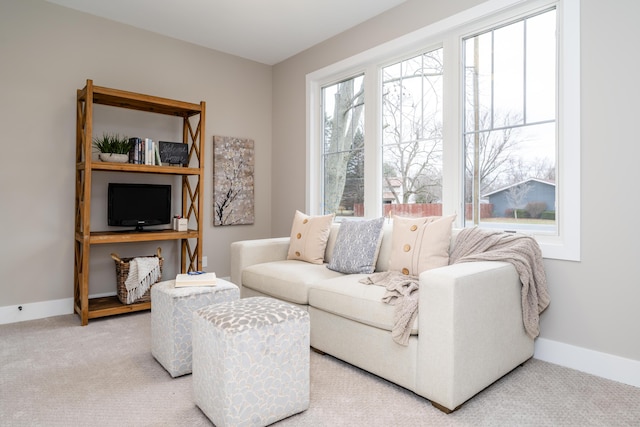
267, 31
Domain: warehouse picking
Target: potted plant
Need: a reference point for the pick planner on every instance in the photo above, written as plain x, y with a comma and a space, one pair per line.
113, 147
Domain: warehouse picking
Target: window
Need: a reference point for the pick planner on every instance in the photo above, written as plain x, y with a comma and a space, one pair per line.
478, 114
412, 136
510, 125
343, 147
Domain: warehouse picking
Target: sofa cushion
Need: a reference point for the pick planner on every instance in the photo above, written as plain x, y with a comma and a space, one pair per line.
385, 247
357, 246
331, 241
420, 244
309, 235
345, 296
286, 280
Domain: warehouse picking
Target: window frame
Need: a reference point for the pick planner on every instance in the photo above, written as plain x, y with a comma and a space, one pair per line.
448, 33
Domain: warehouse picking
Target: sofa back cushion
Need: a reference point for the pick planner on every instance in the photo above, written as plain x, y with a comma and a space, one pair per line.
384, 254
331, 242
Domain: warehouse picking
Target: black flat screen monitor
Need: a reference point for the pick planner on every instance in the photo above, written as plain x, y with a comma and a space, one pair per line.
138, 205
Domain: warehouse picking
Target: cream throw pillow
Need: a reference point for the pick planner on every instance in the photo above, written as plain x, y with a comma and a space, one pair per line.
309, 235
420, 244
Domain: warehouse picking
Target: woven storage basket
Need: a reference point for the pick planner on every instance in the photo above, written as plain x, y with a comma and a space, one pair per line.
122, 272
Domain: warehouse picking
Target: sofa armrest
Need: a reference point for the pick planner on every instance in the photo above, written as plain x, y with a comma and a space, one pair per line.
249, 252
471, 331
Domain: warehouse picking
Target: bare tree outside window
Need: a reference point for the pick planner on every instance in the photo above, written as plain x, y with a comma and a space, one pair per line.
343, 148
509, 127
412, 130
510, 114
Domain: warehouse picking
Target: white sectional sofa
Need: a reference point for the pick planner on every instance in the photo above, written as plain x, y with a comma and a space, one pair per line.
468, 333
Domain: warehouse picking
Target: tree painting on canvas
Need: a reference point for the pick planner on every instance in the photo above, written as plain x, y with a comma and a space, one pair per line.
233, 164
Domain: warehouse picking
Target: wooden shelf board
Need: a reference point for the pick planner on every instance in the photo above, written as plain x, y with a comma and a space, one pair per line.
102, 237
142, 102
109, 306
130, 167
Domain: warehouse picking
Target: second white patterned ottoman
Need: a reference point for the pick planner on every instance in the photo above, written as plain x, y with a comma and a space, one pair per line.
251, 361
172, 317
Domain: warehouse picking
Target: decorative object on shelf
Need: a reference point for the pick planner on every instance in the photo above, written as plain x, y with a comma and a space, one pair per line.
233, 163
114, 157
174, 153
113, 147
180, 224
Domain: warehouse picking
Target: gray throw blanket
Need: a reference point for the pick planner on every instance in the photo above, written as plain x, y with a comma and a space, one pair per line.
402, 292
523, 252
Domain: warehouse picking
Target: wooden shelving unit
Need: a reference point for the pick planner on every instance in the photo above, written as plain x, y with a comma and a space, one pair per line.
192, 191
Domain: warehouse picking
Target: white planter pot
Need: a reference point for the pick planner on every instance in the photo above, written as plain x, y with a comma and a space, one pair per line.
115, 158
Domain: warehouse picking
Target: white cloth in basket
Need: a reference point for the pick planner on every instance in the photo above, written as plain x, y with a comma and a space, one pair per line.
143, 272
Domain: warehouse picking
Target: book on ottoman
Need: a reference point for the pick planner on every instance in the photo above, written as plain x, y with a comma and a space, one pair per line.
196, 278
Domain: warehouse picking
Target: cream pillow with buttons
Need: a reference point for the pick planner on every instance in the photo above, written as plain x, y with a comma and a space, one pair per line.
420, 244
309, 236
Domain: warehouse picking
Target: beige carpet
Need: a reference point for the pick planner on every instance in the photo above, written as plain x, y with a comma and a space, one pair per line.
53, 372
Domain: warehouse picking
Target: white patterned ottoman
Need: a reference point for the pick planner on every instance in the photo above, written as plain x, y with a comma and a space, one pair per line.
172, 316
251, 361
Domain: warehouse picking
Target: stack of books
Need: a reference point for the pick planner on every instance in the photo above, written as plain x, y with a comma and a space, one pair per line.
144, 152
196, 278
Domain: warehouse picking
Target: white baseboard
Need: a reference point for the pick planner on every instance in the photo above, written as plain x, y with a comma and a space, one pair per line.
35, 310
620, 369
39, 310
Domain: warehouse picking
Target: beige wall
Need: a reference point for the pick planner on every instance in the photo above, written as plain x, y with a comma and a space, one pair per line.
46, 53
594, 302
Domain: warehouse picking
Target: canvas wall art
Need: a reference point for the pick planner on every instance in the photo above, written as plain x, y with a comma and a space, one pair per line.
233, 164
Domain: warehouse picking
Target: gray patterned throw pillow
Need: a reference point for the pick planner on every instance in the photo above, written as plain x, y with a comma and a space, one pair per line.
357, 246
